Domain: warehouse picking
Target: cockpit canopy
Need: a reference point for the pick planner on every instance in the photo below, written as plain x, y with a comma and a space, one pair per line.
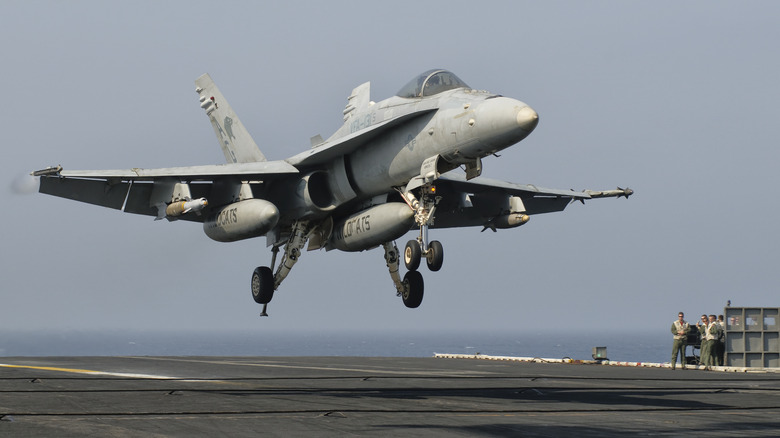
431, 82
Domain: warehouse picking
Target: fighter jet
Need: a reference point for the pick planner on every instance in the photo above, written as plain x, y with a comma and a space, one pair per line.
412, 161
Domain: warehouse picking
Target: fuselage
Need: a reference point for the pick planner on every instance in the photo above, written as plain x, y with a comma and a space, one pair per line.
466, 125
381, 146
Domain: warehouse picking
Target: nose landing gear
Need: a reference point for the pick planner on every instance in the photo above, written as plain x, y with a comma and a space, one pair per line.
411, 288
424, 210
434, 255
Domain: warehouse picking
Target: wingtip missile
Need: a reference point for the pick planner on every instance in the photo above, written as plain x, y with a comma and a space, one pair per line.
51, 170
619, 193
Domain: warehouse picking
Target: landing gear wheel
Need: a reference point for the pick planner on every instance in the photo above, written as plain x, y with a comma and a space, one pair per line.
412, 255
435, 256
262, 285
413, 289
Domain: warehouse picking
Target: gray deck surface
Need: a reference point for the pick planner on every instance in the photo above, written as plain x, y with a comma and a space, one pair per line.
359, 396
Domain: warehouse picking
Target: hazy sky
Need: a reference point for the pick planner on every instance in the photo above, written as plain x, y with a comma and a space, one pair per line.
677, 100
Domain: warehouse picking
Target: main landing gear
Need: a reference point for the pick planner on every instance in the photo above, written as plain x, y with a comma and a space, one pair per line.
264, 282
411, 288
262, 285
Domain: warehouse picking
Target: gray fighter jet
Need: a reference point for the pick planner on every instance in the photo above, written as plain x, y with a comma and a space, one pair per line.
411, 161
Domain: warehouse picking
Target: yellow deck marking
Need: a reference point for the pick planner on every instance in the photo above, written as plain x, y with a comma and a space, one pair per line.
91, 372
66, 370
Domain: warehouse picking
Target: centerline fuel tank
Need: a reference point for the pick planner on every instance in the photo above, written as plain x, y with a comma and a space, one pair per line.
372, 227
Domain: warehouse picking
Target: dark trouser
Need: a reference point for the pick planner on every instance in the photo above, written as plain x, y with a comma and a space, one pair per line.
705, 357
678, 347
708, 358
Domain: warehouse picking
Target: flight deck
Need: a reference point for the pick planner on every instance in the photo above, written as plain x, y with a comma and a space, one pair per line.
375, 396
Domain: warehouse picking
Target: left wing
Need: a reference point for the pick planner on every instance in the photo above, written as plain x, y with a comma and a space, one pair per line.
143, 191
481, 201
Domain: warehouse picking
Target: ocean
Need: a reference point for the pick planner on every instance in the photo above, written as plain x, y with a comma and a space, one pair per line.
633, 347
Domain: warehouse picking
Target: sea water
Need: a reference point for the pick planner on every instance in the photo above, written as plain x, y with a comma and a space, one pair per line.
633, 347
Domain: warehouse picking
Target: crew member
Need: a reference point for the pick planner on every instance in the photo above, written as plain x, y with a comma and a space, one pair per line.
714, 332
721, 340
704, 352
680, 332
711, 334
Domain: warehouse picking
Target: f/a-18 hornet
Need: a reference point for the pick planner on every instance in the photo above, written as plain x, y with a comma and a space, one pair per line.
390, 168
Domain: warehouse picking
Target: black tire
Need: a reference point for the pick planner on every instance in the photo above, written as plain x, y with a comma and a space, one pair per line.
435, 257
262, 285
412, 255
413, 289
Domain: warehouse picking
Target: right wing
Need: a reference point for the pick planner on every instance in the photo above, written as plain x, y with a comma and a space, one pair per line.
142, 191
148, 191
246, 171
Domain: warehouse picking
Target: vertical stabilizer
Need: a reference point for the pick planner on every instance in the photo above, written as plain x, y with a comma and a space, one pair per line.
236, 143
359, 100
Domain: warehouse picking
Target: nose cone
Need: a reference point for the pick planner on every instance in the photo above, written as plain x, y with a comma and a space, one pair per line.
527, 119
501, 122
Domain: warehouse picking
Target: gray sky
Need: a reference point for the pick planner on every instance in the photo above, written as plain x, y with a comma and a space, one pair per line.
677, 100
